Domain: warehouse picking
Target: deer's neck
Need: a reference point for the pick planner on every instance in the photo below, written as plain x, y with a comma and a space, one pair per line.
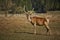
29, 18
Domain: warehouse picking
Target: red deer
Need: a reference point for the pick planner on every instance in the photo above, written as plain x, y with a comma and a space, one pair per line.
38, 20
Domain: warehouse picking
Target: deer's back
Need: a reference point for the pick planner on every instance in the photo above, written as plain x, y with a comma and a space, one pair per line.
38, 20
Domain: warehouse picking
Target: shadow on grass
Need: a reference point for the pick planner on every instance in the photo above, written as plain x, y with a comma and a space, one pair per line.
43, 34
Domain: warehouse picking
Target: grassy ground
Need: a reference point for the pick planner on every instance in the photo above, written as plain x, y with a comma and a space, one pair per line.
17, 27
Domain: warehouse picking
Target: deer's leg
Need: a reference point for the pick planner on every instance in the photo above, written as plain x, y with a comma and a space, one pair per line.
35, 28
47, 27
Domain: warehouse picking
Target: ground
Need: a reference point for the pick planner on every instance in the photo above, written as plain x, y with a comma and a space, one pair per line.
17, 27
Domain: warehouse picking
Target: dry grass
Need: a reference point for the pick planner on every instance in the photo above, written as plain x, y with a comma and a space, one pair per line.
17, 27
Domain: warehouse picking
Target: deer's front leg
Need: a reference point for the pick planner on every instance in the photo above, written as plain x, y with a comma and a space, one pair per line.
35, 28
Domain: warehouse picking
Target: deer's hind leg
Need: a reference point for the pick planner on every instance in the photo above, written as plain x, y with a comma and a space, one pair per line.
47, 27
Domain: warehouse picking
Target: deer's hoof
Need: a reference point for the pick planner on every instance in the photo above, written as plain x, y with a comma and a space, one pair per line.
49, 33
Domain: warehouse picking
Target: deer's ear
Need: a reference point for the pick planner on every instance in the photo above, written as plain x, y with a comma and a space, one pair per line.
30, 14
26, 12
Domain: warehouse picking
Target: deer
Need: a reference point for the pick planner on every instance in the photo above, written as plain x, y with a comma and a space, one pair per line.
35, 20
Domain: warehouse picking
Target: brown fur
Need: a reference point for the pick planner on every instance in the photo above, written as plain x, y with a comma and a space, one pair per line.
38, 20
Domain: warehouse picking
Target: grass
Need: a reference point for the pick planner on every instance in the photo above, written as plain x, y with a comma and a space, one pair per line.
17, 27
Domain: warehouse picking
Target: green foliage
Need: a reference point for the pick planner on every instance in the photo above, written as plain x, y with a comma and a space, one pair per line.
48, 4
19, 9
